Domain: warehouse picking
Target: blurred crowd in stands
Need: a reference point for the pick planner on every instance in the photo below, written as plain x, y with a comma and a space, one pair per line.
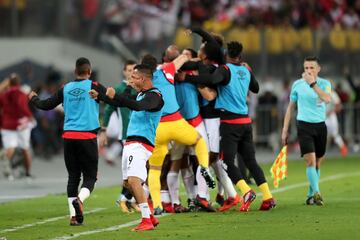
137, 20
273, 32
299, 13
149, 20
141, 24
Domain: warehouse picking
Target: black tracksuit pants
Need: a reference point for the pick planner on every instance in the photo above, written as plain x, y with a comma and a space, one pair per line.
238, 138
81, 158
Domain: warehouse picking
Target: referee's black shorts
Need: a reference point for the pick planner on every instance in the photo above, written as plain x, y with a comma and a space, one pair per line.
312, 138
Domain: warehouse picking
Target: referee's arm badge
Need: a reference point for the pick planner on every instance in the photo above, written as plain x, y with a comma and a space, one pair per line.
328, 89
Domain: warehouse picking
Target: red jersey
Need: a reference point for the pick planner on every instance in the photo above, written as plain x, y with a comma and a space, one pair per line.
14, 106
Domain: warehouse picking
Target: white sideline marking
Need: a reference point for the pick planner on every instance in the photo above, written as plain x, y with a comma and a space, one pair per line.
21, 196
44, 221
326, 179
290, 187
49, 180
331, 200
109, 229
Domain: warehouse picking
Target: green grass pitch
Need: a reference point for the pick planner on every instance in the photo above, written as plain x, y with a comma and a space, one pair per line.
339, 218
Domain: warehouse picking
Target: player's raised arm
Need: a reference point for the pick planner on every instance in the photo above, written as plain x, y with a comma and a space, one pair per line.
49, 103
180, 60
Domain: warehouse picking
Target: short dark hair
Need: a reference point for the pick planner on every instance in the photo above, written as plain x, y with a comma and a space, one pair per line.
217, 37
234, 49
129, 62
83, 66
213, 52
192, 51
144, 69
312, 59
150, 61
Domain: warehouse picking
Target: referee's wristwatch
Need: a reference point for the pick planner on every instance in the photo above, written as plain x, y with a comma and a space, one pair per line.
312, 84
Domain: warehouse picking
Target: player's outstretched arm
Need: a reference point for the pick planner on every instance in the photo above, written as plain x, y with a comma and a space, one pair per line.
205, 35
105, 96
180, 60
151, 102
49, 103
218, 77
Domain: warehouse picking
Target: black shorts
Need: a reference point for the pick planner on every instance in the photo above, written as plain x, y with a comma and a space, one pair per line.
312, 138
81, 156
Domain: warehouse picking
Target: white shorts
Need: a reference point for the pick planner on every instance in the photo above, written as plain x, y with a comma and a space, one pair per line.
178, 149
332, 125
212, 126
16, 138
134, 160
171, 145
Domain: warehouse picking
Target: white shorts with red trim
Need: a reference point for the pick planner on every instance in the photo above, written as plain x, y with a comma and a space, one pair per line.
212, 126
16, 138
134, 160
178, 149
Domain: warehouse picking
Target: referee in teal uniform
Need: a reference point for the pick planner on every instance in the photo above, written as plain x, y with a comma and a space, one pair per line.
311, 93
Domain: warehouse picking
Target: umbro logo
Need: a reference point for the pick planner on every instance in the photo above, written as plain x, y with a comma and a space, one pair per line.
241, 75
76, 92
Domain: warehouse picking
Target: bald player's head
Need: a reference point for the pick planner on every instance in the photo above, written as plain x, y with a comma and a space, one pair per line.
171, 53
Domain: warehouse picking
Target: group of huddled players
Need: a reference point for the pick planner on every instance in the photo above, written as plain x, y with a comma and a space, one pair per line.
188, 114
205, 94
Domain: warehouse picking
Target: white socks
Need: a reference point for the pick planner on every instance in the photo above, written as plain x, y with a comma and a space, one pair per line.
84, 194
203, 190
224, 179
188, 179
173, 185
220, 187
145, 210
122, 198
165, 196
71, 207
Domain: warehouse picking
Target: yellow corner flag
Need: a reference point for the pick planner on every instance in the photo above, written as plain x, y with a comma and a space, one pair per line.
279, 168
